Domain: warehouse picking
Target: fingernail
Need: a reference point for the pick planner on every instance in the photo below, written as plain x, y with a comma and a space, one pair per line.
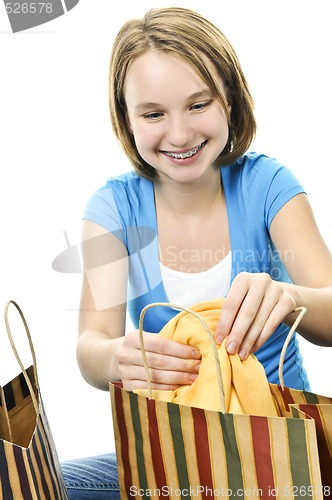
243, 354
232, 348
193, 376
197, 367
219, 339
196, 354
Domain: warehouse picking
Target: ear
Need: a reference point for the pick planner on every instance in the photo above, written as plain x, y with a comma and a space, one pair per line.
228, 102
228, 108
130, 128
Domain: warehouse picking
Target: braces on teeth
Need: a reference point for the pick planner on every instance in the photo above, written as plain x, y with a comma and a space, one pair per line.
185, 155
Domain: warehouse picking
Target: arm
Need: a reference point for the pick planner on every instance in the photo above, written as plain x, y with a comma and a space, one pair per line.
256, 304
295, 228
103, 305
104, 353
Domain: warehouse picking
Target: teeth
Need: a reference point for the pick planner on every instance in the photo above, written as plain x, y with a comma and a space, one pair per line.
188, 154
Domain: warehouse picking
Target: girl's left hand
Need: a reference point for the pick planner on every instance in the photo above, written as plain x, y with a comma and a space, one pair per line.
253, 309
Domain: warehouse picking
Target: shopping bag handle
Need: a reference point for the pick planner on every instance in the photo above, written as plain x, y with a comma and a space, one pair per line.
211, 338
11, 340
290, 334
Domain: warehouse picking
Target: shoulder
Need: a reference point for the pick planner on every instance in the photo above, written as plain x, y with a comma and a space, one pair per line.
128, 181
258, 171
120, 189
256, 167
261, 183
117, 200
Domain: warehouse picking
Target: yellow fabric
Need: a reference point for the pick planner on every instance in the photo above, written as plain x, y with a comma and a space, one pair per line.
245, 384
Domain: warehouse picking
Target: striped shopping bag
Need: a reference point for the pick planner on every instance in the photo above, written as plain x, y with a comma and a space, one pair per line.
167, 450
29, 466
306, 405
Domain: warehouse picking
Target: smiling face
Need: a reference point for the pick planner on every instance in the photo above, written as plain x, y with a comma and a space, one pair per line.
179, 126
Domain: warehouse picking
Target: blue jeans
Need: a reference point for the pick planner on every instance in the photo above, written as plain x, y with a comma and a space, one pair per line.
93, 478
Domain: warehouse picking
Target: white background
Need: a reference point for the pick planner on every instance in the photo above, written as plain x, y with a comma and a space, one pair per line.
57, 148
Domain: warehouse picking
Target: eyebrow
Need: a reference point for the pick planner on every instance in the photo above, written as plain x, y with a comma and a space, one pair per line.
155, 105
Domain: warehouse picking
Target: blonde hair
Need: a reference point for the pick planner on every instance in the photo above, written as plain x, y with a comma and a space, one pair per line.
188, 35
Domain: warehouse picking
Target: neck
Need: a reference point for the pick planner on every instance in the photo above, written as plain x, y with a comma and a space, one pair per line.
189, 198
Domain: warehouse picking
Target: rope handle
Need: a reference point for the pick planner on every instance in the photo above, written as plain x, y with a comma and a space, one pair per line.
11, 340
211, 338
302, 311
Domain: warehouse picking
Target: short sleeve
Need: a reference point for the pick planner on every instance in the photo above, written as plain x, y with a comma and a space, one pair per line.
282, 188
270, 185
101, 208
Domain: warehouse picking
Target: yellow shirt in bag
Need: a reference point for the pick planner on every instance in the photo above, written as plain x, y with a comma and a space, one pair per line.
246, 388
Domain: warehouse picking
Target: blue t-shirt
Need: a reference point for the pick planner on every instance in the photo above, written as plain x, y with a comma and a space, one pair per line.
255, 188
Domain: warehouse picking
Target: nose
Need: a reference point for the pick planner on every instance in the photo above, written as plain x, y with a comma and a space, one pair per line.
179, 131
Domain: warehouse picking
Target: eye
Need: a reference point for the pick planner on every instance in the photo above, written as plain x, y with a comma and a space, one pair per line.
200, 106
153, 116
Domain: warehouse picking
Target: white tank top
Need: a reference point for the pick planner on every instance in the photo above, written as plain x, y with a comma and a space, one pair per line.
186, 289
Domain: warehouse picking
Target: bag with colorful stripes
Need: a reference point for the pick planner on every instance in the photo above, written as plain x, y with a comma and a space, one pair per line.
29, 465
306, 405
168, 450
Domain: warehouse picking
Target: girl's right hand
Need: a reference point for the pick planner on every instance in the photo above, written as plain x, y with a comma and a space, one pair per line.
171, 364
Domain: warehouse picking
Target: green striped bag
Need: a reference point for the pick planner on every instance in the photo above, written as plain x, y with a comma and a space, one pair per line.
309, 406
166, 450
29, 466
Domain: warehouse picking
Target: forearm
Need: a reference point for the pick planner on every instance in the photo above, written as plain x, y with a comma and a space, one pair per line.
96, 356
316, 325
